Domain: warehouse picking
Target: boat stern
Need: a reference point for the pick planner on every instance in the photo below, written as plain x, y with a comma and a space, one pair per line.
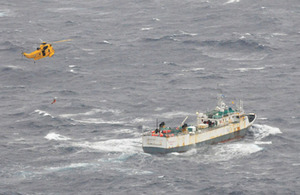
154, 144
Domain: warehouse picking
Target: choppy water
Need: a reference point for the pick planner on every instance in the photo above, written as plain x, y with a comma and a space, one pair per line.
131, 62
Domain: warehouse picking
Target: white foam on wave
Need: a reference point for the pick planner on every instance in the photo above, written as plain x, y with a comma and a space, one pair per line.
4, 12
106, 42
56, 136
130, 171
77, 114
91, 112
12, 87
116, 158
189, 34
248, 69
96, 121
126, 131
71, 167
21, 139
72, 71
193, 70
232, 1
146, 29
263, 118
158, 108
64, 9
43, 113
262, 131
190, 152
141, 120
234, 150
14, 67
279, 34
72, 66
87, 49
263, 143
130, 145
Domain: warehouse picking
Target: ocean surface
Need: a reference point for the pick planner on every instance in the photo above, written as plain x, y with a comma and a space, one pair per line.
131, 62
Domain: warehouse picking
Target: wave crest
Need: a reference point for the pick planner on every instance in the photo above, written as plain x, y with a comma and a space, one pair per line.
235, 44
261, 131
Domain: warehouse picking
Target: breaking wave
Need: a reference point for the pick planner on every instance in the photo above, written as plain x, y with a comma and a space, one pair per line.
262, 131
56, 136
43, 113
232, 1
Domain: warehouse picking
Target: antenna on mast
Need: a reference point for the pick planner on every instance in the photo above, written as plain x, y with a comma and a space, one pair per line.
240, 106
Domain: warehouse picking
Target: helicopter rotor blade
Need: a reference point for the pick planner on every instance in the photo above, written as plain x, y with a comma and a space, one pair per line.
62, 41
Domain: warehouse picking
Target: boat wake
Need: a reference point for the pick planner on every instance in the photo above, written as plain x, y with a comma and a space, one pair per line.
91, 112
93, 116
236, 149
262, 131
70, 167
129, 145
243, 148
114, 151
210, 153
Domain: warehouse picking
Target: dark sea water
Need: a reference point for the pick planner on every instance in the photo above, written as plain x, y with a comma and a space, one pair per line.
131, 62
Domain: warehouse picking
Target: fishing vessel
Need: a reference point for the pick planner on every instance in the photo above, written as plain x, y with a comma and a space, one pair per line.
219, 125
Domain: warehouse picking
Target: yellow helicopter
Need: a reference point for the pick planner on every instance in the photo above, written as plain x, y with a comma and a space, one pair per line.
45, 50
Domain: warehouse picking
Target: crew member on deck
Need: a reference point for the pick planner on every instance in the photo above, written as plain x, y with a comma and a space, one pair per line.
162, 126
184, 128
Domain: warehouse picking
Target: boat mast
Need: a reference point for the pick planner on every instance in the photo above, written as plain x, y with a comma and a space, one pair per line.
241, 109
